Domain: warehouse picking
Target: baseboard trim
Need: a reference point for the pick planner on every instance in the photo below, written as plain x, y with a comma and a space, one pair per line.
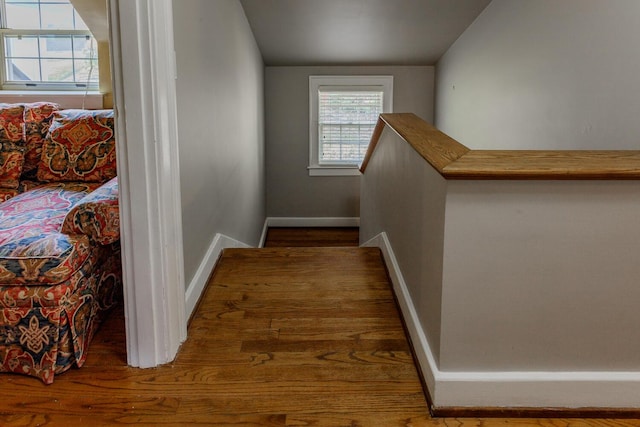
599, 413
419, 343
200, 279
313, 222
263, 236
493, 394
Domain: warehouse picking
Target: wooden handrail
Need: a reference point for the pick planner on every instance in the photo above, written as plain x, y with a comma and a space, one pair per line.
455, 161
434, 146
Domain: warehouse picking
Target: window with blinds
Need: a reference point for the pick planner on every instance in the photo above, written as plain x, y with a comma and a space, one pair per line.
344, 111
345, 123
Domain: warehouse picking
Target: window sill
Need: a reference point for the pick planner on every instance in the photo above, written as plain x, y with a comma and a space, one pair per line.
334, 170
67, 99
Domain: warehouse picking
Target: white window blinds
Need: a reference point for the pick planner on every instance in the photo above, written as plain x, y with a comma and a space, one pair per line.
343, 112
346, 119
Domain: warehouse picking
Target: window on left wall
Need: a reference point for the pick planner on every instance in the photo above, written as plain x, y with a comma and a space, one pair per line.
46, 46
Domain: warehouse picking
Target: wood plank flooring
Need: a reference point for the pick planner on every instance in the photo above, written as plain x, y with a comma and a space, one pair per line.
282, 337
312, 237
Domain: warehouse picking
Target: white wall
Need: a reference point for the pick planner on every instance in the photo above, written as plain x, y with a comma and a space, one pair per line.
541, 276
291, 192
404, 197
516, 293
544, 74
220, 90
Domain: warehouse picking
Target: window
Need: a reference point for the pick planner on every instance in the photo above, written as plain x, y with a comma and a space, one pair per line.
46, 46
343, 113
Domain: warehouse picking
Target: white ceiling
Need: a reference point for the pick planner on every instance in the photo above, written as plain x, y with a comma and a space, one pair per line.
358, 32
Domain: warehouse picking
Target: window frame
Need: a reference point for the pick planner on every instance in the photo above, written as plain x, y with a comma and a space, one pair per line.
7, 85
337, 83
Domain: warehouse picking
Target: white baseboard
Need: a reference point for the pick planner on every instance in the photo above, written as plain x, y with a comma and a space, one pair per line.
531, 390
313, 222
263, 236
421, 346
199, 281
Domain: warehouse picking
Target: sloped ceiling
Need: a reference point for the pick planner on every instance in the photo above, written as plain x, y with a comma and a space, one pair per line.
358, 32
94, 14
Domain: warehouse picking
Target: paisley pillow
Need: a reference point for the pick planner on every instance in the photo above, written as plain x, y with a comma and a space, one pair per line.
11, 144
11, 160
80, 146
12, 123
37, 119
7, 193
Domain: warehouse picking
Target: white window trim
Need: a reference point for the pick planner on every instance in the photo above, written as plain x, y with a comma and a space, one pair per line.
89, 100
315, 82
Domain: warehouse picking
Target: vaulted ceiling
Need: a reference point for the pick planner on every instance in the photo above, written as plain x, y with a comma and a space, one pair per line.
358, 32
341, 32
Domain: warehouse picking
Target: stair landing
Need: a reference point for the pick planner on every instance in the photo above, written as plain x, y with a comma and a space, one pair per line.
311, 336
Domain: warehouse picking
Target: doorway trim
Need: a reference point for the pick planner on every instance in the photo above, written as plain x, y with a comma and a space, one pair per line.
144, 73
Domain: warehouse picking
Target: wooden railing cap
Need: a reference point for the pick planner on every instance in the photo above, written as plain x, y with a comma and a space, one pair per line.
455, 161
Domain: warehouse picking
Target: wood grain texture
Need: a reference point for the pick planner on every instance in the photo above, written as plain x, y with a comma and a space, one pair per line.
282, 337
434, 146
552, 165
312, 236
307, 336
375, 137
455, 161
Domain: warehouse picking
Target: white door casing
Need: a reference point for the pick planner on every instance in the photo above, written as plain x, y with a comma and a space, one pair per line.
144, 73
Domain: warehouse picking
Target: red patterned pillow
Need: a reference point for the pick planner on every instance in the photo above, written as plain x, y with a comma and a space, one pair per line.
80, 147
12, 123
11, 144
37, 119
11, 160
26, 185
7, 193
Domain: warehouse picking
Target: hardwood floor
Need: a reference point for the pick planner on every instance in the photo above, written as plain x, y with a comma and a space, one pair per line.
312, 237
282, 337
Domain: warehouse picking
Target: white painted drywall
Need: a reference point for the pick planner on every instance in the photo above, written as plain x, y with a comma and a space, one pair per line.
220, 90
404, 197
541, 276
516, 293
291, 192
358, 32
544, 74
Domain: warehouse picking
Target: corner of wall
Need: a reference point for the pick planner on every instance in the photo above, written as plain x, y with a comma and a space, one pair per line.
203, 273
